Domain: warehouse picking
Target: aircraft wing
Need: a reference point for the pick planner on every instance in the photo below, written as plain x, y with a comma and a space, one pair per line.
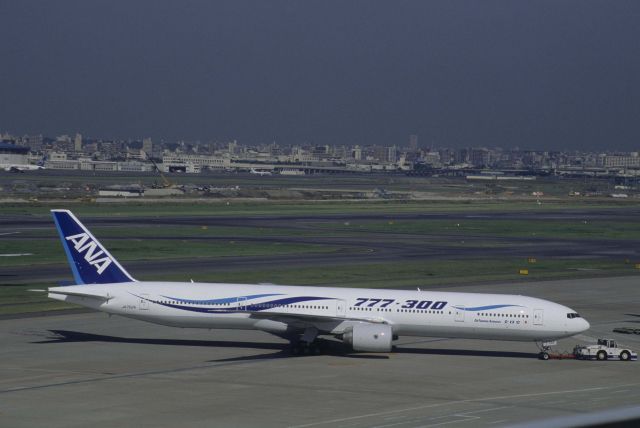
306, 320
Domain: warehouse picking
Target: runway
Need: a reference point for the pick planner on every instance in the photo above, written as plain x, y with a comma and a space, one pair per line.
353, 247
89, 369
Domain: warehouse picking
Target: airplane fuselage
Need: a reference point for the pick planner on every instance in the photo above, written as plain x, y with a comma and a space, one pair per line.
288, 309
21, 167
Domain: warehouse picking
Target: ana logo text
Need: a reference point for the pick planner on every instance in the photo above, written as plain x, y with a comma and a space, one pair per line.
97, 259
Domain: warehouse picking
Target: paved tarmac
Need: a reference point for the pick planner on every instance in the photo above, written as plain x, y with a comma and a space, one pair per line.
93, 370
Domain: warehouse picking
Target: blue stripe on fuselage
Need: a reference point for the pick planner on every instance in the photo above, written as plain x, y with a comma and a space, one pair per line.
487, 308
254, 307
220, 301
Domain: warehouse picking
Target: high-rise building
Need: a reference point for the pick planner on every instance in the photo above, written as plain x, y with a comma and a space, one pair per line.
63, 143
480, 157
379, 153
147, 146
461, 156
357, 153
232, 147
413, 142
77, 143
36, 142
392, 154
446, 156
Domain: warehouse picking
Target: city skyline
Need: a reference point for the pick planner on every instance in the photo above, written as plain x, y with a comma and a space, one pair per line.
75, 143
543, 76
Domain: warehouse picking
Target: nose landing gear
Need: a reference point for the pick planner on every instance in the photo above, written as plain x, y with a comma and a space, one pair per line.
545, 349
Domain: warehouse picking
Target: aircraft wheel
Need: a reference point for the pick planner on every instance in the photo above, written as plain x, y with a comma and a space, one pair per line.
625, 356
544, 356
297, 348
314, 349
601, 356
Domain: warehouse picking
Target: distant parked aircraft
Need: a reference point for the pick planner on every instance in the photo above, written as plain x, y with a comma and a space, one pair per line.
260, 172
17, 167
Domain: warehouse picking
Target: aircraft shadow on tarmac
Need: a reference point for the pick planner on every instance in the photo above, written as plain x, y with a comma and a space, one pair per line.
66, 336
466, 353
329, 347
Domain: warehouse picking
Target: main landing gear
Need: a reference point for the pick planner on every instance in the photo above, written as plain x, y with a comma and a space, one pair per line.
299, 348
307, 344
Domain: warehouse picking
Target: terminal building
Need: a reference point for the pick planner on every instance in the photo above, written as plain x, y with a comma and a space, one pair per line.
10, 154
58, 160
173, 162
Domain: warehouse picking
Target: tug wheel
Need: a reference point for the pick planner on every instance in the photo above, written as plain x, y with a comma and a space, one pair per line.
601, 356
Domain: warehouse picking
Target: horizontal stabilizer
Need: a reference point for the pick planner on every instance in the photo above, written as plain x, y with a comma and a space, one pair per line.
80, 294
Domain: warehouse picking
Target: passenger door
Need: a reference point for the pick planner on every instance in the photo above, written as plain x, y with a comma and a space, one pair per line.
459, 313
538, 315
341, 308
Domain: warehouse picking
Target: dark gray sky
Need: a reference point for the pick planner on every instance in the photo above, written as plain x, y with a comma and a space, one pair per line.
536, 74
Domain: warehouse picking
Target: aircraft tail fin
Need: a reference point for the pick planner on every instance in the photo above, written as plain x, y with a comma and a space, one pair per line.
90, 262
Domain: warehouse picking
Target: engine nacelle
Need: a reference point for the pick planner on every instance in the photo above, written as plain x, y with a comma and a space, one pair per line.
369, 337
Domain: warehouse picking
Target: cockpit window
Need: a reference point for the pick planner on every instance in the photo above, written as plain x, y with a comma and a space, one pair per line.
572, 315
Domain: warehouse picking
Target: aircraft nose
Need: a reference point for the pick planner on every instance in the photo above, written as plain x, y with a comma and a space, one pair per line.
584, 325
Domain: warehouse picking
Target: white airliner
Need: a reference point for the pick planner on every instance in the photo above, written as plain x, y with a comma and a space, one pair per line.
22, 167
260, 172
365, 319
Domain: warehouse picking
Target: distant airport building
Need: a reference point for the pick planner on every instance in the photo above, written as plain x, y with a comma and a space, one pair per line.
12, 154
133, 166
431, 158
622, 162
58, 160
291, 171
173, 162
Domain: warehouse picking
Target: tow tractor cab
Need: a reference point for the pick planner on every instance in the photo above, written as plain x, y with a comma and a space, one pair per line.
605, 349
